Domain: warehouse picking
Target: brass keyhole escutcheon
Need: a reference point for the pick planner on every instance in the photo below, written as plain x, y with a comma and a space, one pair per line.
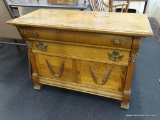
116, 42
41, 46
115, 56
78, 72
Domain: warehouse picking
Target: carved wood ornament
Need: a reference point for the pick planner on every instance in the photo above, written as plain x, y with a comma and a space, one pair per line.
133, 58
29, 45
60, 71
123, 77
105, 78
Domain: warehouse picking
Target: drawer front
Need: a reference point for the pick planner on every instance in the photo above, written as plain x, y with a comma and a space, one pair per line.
84, 52
54, 67
100, 39
102, 76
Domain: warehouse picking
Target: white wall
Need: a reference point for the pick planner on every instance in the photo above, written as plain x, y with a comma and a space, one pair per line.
152, 5
154, 9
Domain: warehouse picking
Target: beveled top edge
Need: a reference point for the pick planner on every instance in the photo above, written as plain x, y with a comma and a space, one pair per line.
89, 21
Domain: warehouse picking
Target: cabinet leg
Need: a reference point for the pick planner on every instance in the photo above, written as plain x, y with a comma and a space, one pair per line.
37, 86
125, 99
125, 105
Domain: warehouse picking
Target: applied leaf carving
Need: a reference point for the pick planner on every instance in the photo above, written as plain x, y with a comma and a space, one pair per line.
29, 46
132, 59
105, 78
51, 69
123, 77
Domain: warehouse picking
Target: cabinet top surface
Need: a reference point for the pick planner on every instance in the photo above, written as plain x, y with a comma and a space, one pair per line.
89, 21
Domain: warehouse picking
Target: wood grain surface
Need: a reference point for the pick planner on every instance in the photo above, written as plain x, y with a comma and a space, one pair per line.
89, 21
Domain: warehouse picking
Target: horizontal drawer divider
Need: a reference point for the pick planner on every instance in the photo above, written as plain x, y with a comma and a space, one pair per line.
79, 44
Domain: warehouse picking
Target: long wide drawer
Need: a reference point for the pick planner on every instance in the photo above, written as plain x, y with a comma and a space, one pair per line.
100, 39
88, 53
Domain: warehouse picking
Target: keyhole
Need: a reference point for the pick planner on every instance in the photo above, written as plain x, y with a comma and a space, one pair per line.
78, 72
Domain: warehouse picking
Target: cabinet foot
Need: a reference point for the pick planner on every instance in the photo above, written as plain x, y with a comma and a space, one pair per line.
125, 99
125, 105
37, 87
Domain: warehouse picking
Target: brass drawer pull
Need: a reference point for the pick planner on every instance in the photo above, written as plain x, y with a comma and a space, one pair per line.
105, 78
116, 42
35, 34
41, 46
115, 56
60, 71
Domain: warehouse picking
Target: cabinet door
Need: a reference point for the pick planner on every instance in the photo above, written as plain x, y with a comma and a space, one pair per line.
52, 67
101, 75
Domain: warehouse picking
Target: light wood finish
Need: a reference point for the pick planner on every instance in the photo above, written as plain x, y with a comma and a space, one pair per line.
14, 7
111, 23
88, 53
96, 5
81, 37
96, 56
55, 62
100, 69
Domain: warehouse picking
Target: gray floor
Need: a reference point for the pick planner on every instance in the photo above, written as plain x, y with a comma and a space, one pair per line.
19, 101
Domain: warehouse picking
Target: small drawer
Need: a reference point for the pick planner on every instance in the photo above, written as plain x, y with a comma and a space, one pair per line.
52, 67
88, 38
102, 76
88, 53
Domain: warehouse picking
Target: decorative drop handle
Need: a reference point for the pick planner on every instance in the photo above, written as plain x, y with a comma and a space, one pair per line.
105, 78
41, 46
60, 71
115, 56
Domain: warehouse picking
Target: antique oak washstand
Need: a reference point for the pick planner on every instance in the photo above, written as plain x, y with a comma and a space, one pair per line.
92, 52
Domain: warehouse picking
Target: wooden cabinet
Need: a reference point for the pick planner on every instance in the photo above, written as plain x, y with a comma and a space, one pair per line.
84, 55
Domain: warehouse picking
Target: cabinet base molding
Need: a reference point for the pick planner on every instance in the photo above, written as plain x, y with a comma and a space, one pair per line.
81, 88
